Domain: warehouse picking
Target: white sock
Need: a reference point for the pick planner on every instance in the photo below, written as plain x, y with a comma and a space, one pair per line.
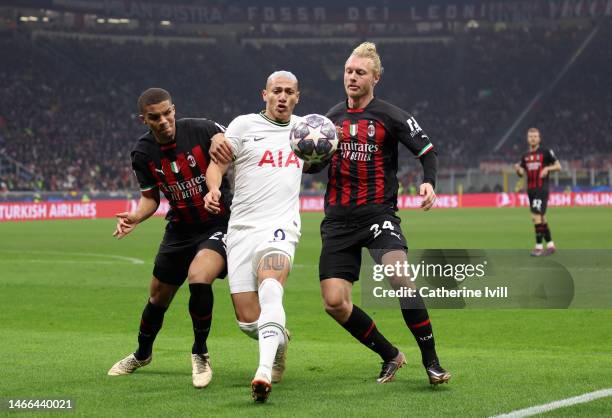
250, 329
271, 324
550, 244
539, 246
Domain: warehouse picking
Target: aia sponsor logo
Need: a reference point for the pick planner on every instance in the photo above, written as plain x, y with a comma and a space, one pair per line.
279, 159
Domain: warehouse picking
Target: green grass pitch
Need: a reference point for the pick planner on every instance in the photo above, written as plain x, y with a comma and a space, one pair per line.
71, 298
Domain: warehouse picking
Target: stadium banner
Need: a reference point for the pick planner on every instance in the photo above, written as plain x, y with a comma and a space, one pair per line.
94, 209
337, 12
99, 209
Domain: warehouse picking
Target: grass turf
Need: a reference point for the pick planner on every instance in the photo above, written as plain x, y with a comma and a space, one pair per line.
71, 305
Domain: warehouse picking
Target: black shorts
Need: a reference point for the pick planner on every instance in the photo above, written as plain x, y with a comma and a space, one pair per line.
342, 243
538, 201
180, 245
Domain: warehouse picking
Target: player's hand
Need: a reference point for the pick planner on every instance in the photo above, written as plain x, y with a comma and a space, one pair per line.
519, 170
221, 150
544, 172
339, 132
126, 222
429, 196
212, 201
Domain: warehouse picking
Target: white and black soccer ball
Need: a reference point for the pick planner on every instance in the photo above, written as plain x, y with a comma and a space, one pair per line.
314, 138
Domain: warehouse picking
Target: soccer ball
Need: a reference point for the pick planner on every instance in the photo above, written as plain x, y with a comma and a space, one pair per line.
314, 138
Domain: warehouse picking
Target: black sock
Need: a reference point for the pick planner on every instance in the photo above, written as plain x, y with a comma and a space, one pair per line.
547, 236
200, 308
150, 324
539, 233
417, 319
362, 327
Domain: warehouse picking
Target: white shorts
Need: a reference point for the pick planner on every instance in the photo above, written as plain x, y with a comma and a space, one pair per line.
246, 246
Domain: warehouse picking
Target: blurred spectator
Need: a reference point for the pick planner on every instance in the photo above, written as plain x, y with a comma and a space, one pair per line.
68, 108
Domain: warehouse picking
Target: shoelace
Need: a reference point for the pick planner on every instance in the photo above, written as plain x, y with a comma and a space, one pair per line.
436, 368
201, 364
386, 367
131, 362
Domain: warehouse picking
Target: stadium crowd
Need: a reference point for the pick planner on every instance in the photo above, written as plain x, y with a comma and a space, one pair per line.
68, 111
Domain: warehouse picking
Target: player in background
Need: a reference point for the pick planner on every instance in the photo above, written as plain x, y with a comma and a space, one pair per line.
537, 164
173, 157
264, 226
360, 206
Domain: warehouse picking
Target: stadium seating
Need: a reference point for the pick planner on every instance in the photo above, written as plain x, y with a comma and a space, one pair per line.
464, 89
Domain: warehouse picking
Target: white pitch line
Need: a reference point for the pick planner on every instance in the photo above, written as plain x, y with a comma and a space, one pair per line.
112, 256
539, 409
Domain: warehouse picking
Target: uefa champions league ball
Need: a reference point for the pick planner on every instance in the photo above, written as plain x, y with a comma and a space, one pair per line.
314, 138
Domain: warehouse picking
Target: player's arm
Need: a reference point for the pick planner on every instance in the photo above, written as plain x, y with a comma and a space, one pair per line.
429, 162
214, 176
149, 197
221, 149
147, 206
410, 134
556, 166
520, 168
552, 164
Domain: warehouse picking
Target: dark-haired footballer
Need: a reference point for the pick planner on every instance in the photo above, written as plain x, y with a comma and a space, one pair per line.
172, 157
537, 164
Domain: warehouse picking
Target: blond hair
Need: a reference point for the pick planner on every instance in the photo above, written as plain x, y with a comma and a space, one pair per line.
368, 50
282, 73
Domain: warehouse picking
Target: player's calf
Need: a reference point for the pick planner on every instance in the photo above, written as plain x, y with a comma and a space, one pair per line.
271, 325
280, 359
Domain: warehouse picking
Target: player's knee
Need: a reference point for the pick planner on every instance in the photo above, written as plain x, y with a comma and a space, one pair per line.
201, 276
205, 267
337, 306
161, 298
249, 328
161, 294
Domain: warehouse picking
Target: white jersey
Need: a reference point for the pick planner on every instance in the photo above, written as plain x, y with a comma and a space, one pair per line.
267, 173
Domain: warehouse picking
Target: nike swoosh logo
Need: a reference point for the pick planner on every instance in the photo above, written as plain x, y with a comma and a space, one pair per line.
159, 171
254, 138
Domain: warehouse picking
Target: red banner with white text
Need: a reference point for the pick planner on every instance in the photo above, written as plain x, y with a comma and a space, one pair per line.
99, 209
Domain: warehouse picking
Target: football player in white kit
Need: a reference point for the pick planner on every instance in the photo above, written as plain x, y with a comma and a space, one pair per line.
264, 226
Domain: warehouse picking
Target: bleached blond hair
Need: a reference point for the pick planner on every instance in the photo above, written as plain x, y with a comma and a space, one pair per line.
368, 50
281, 73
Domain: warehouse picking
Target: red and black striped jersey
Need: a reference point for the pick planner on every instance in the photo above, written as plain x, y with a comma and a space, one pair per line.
533, 162
363, 172
178, 169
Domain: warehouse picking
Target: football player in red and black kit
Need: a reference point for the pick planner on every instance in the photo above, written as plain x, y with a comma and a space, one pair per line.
360, 207
537, 164
172, 157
